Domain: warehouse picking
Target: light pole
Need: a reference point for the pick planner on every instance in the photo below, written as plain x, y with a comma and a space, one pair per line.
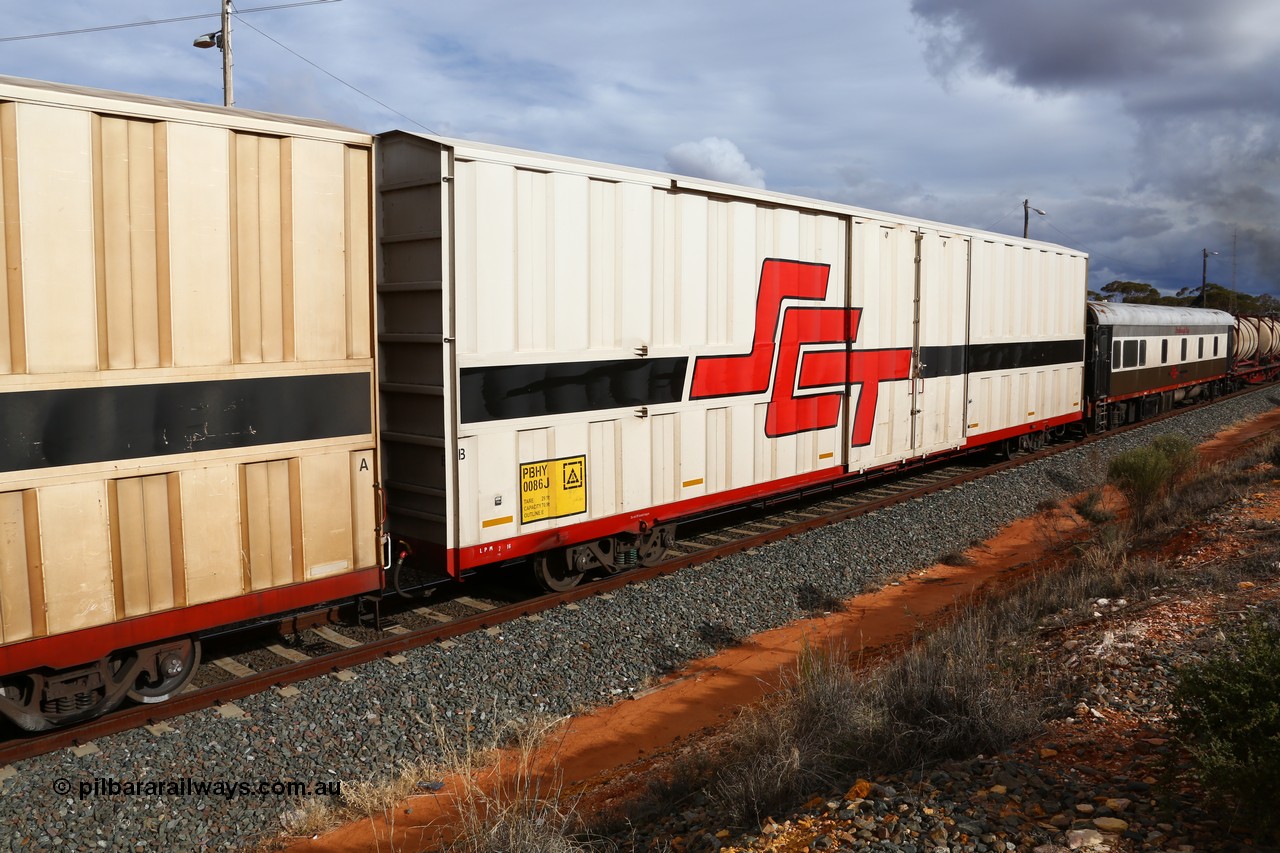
1204, 276
222, 40
1026, 215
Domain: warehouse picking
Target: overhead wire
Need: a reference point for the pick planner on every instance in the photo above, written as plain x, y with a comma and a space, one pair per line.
1002, 218
107, 27
236, 13
1110, 261
325, 71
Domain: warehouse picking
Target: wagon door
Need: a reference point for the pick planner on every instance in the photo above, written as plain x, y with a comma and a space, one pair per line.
882, 299
942, 310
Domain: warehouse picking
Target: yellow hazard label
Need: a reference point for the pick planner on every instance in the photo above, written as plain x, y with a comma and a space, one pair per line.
553, 488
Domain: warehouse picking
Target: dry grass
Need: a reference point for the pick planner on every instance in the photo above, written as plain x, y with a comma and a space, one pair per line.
313, 817
509, 799
972, 686
360, 800
516, 804
954, 693
1089, 507
368, 799
795, 742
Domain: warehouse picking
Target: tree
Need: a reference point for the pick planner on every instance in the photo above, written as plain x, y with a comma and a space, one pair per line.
1132, 291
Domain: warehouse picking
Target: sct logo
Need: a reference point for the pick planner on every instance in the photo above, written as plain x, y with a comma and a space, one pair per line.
756, 371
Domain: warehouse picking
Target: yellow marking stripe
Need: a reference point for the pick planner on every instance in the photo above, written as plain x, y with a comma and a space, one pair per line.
690, 483
494, 522
826, 455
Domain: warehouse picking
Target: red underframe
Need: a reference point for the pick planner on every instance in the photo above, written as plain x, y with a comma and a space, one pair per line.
474, 556
1024, 429
90, 644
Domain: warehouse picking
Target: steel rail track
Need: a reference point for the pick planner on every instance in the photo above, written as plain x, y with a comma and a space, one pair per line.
836, 506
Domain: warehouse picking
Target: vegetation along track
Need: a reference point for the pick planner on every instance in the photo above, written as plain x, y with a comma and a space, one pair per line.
226, 678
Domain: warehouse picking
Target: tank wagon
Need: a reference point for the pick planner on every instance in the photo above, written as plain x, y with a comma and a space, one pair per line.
1256, 352
187, 386
205, 388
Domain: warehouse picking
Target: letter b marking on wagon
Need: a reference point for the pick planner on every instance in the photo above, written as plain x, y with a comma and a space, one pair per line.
776, 361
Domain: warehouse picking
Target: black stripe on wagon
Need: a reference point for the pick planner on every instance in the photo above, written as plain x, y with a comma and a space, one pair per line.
536, 390
1016, 356
942, 361
77, 426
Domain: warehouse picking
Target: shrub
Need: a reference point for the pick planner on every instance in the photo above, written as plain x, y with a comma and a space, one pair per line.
1089, 507
1180, 451
1273, 453
1228, 714
1142, 475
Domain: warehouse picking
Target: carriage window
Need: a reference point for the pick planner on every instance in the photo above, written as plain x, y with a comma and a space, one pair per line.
1142, 354
1201, 355
1184, 349
1130, 353
1115, 356
1215, 345
1164, 351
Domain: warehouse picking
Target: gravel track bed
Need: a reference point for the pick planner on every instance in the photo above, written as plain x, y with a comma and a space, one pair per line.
567, 660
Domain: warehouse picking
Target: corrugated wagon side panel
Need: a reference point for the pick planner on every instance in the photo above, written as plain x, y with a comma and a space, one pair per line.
125, 214
883, 288
10, 251
1026, 336
55, 191
260, 244
320, 285
16, 622
76, 556
199, 245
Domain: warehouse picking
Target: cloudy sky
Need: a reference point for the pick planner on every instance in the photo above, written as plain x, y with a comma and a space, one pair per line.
1148, 130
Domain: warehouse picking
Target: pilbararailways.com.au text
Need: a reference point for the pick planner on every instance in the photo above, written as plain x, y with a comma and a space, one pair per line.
186, 786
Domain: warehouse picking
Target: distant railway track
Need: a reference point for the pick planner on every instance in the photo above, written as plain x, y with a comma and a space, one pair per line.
320, 643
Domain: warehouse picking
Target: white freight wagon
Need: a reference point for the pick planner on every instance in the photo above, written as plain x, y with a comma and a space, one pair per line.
186, 385
571, 351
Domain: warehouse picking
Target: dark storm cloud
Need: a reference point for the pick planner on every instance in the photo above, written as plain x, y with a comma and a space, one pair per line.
1198, 81
1082, 43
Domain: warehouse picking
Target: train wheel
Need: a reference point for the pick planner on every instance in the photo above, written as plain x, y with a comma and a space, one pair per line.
653, 544
166, 670
37, 702
553, 574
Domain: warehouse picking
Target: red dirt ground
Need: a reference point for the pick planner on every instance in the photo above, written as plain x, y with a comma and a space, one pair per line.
609, 754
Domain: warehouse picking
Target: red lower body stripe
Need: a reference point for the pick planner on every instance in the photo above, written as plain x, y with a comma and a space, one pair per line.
89, 644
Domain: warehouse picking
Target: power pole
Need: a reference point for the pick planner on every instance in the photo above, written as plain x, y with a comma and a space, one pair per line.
221, 39
228, 92
1026, 215
1235, 235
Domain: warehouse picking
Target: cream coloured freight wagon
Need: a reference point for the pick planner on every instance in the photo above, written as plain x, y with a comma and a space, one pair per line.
570, 350
186, 385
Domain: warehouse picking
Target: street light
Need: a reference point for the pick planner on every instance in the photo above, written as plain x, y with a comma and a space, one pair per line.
1204, 275
222, 40
1026, 215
